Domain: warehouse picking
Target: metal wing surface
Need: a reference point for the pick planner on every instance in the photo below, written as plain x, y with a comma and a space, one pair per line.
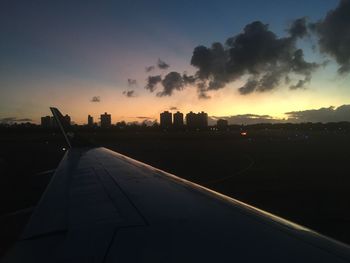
102, 206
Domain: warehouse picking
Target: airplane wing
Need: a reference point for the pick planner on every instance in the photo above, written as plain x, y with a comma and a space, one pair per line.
102, 206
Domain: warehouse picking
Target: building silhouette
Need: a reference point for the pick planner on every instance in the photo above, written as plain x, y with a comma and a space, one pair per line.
191, 120
67, 119
178, 120
47, 122
197, 120
50, 121
202, 119
90, 120
166, 119
222, 124
106, 120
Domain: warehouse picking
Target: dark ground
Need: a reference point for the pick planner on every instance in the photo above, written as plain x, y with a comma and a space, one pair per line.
301, 176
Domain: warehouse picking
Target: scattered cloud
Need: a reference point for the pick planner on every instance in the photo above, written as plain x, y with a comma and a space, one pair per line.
172, 81
152, 82
149, 68
173, 108
132, 82
95, 99
256, 53
162, 65
265, 60
129, 93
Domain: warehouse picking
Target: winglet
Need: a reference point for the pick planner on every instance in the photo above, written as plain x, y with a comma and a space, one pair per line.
62, 123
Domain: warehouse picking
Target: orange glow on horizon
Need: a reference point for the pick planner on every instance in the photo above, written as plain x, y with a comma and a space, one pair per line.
73, 98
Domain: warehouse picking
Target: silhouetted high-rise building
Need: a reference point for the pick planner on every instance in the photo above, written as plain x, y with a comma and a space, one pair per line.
90, 121
166, 119
202, 119
191, 120
106, 120
178, 119
67, 119
46, 121
197, 120
222, 124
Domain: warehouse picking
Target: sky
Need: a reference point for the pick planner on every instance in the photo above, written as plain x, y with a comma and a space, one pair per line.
90, 57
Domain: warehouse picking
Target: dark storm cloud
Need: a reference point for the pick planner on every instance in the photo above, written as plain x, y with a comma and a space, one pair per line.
132, 82
330, 114
152, 82
162, 65
265, 60
300, 84
201, 89
334, 35
95, 99
149, 69
188, 79
256, 53
298, 28
268, 81
249, 87
172, 81
300, 66
129, 93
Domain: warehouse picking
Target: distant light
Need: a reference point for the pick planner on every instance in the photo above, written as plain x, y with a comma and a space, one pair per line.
63, 149
244, 133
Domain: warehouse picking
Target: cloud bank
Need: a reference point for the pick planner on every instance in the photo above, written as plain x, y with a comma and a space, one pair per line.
9, 120
246, 119
330, 114
324, 115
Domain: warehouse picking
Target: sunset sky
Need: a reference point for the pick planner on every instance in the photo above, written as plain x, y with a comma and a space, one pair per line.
63, 54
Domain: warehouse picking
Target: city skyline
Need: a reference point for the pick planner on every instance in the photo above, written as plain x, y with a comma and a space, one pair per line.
102, 61
174, 116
